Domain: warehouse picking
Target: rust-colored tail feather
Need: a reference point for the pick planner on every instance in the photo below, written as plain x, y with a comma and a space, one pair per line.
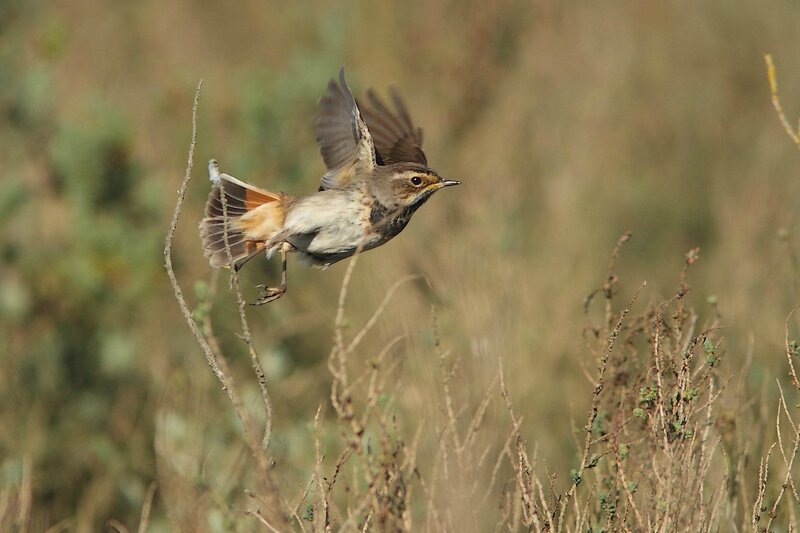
240, 198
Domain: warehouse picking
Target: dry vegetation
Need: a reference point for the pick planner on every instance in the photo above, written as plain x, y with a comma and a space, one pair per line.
452, 380
657, 451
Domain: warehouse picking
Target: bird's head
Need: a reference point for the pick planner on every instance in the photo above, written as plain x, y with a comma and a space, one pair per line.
411, 183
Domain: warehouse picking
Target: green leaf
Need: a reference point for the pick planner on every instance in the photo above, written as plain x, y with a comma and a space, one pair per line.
708, 346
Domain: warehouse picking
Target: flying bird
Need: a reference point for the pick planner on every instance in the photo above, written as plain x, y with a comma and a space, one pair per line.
377, 177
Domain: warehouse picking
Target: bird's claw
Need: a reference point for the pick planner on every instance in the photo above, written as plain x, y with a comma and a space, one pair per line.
269, 294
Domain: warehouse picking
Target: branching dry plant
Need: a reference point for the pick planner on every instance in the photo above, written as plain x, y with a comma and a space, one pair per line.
216, 359
649, 440
652, 456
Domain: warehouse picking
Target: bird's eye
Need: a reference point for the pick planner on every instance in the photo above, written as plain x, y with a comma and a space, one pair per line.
416, 180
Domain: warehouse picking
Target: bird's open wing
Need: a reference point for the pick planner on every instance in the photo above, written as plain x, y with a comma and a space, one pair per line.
344, 140
395, 136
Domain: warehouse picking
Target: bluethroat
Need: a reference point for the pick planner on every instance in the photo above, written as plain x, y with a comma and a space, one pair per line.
377, 177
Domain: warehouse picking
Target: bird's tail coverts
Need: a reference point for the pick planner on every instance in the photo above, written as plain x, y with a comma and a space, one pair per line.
238, 219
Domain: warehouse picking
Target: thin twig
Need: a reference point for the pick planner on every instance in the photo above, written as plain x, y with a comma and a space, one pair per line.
776, 102
257, 515
598, 388
763, 475
25, 503
322, 494
246, 335
378, 312
148, 504
790, 351
211, 358
788, 477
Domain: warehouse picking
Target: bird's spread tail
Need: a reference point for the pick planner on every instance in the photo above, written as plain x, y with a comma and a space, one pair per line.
250, 217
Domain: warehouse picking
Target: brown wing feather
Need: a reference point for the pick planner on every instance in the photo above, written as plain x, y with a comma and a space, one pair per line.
344, 139
394, 135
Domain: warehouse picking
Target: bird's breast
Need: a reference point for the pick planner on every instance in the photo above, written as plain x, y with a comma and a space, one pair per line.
388, 222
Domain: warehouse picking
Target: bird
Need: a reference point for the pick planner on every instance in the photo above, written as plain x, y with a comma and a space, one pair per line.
376, 178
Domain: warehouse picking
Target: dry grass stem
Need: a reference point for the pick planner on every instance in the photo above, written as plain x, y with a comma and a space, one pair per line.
144, 520
211, 358
210, 346
776, 102
246, 335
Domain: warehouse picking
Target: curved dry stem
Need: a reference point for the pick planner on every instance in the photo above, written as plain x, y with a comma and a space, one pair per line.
776, 102
790, 350
146, 508
246, 335
212, 358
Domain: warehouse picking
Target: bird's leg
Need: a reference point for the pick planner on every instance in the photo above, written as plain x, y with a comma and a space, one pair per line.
270, 294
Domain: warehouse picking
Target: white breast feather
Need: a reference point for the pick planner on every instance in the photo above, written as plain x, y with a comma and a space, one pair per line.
332, 215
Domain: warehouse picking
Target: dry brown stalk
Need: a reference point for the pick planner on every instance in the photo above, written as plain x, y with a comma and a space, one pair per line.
598, 388
213, 355
246, 336
148, 504
776, 102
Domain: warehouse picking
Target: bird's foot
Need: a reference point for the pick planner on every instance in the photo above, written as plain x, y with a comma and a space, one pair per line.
269, 294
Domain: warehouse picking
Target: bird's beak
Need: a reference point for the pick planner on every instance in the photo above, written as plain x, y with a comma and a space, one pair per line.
450, 183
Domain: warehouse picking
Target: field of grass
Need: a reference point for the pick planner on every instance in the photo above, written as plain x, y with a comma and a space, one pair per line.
500, 365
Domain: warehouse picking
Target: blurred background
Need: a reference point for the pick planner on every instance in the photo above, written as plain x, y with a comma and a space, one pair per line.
568, 123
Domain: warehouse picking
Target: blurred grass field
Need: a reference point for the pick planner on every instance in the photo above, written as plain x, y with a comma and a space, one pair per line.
569, 123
